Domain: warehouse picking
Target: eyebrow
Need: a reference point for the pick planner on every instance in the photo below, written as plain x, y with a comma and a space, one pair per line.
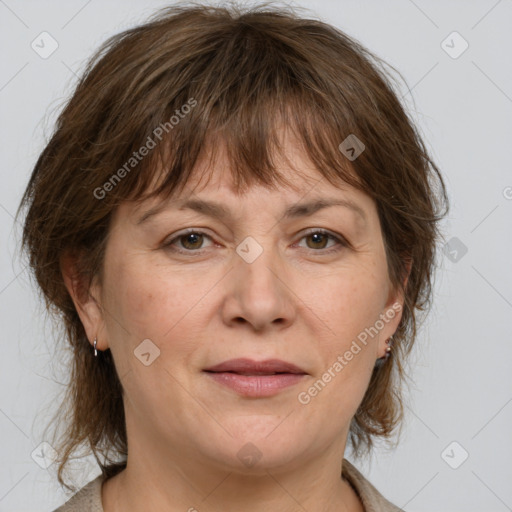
219, 211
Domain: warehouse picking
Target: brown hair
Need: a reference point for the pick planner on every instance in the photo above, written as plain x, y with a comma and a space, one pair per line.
243, 73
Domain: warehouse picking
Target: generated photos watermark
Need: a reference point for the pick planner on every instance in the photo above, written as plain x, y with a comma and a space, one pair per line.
145, 149
305, 397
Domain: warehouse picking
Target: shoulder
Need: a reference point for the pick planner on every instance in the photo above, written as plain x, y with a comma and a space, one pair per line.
87, 499
372, 499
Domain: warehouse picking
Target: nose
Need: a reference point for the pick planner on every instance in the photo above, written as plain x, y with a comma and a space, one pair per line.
259, 294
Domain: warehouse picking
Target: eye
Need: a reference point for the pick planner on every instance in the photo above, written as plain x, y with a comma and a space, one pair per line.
320, 237
188, 241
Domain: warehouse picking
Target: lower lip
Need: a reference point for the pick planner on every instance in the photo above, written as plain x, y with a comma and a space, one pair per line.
256, 385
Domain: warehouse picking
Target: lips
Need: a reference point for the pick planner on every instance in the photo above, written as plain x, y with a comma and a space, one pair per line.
256, 379
243, 366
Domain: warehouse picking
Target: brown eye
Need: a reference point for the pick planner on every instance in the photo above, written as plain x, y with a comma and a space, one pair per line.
318, 240
192, 240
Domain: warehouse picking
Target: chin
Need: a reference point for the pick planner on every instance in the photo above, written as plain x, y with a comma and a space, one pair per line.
259, 447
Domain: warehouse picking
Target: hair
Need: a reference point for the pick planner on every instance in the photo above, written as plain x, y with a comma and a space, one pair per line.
190, 78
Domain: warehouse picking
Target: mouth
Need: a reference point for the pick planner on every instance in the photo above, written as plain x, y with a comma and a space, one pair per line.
256, 379
244, 366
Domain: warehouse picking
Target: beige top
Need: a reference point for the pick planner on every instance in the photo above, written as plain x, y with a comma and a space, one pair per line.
88, 498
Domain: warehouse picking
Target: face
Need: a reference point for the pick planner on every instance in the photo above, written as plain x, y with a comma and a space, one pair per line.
186, 289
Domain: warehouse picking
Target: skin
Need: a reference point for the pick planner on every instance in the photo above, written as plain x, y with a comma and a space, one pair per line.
296, 302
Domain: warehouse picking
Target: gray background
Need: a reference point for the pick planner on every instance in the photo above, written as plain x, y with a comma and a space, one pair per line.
462, 388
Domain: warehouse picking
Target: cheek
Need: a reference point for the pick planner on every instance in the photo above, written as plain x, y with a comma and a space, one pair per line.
151, 302
350, 300
142, 297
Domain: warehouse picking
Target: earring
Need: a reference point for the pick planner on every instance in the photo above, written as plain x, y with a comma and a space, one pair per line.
381, 360
95, 351
388, 348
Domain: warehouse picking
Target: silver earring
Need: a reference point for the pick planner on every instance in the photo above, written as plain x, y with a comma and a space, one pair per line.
95, 351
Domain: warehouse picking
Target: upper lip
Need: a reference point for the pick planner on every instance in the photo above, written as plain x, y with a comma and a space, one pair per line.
267, 367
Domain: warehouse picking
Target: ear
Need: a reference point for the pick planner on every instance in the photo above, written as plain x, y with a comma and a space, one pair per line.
86, 299
393, 310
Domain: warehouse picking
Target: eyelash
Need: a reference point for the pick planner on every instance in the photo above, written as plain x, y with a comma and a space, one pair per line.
340, 241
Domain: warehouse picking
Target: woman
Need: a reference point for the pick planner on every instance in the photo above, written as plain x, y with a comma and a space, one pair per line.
236, 221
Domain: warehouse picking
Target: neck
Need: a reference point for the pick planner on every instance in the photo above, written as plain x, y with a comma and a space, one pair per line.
149, 483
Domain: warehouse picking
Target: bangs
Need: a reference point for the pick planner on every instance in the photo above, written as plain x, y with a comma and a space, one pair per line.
255, 143
242, 96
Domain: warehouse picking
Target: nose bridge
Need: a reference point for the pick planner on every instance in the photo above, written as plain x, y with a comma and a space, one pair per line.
258, 264
259, 295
